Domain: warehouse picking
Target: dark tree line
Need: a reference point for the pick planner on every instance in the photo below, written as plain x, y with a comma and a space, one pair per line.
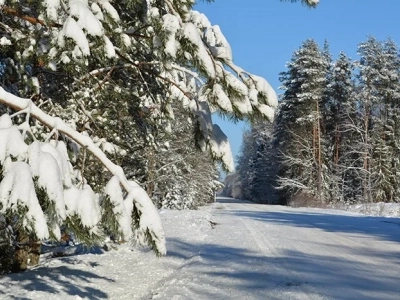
336, 134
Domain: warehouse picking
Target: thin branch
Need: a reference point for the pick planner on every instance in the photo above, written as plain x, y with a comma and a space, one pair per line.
106, 77
173, 11
32, 20
136, 35
186, 93
138, 64
183, 69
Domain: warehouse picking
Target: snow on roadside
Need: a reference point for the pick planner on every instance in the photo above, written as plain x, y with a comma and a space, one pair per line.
380, 209
126, 273
236, 246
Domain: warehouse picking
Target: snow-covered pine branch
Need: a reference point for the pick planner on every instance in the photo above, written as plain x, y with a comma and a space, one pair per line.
71, 199
214, 81
118, 72
170, 35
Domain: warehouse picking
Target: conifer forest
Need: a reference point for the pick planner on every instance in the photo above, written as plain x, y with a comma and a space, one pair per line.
335, 138
121, 175
106, 117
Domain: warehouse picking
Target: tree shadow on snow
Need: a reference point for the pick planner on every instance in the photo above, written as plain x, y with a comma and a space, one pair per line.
56, 279
342, 277
213, 271
384, 228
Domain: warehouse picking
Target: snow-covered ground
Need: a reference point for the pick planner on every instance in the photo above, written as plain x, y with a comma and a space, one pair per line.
234, 250
373, 209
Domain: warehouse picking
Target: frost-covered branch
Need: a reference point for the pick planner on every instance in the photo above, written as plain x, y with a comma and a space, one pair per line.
191, 73
150, 222
185, 92
290, 183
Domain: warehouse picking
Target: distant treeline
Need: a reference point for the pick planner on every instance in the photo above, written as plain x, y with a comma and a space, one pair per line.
336, 134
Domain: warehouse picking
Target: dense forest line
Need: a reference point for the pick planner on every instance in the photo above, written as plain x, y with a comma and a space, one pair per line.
336, 134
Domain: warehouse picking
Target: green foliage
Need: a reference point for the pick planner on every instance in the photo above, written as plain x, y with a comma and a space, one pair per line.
109, 220
87, 236
48, 207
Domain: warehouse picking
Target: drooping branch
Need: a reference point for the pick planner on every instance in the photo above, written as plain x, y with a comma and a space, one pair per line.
142, 201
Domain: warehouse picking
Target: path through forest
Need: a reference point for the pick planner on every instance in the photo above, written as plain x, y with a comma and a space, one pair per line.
234, 250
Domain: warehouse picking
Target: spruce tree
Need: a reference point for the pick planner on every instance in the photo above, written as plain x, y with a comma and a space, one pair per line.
246, 164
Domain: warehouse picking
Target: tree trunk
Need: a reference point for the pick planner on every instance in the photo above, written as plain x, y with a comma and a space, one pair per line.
21, 252
318, 152
151, 174
6, 250
34, 253
366, 183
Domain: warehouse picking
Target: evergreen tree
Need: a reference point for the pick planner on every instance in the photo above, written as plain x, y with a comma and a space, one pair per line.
116, 71
266, 167
386, 135
182, 176
341, 131
246, 168
371, 109
336, 133
256, 165
299, 123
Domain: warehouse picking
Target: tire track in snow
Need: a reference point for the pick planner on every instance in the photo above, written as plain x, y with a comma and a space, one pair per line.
292, 288
178, 274
360, 264
294, 260
361, 253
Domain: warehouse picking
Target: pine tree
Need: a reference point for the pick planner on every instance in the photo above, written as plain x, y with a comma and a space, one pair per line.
246, 164
299, 123
183, 177
370, 68
341, 131
266, 166
115, 71
386, 136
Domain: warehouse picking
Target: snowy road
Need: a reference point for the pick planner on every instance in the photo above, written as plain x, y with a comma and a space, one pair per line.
270, 252
235, 250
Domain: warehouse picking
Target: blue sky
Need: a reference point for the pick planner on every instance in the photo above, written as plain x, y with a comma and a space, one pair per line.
264, 34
